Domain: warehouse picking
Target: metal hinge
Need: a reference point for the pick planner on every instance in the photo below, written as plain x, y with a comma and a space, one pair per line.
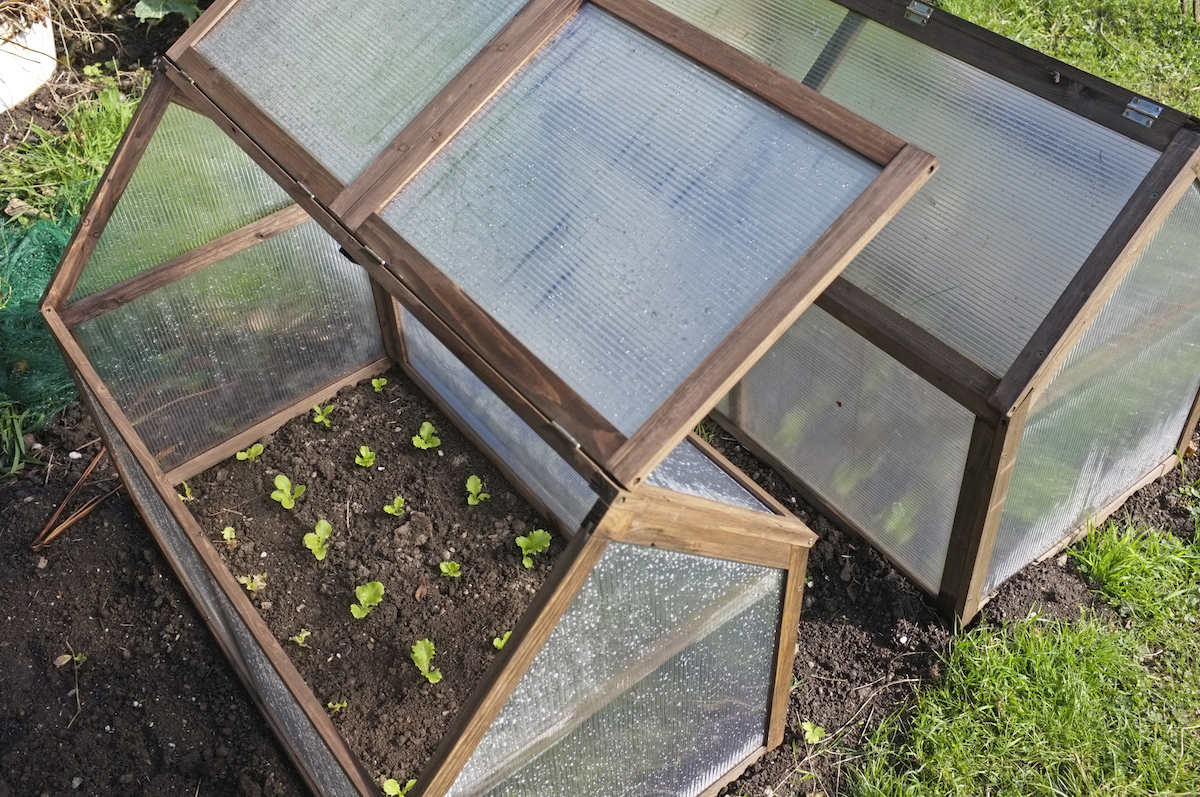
918, 12
558, 428
307, 193
1142, 111
373, 256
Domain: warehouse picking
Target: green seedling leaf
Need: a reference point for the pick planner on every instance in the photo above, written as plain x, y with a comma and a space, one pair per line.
253, 583
498, 642
315, 539
230, 536
284, 493
154, 10
369, 595
365, 458
322, 415
186, 495
426, 439
335, 707
392, 788
250, 454
301, 638
812, 733
422, 653
475, 492
378, 384
396, 507
537, 541
79, 658
450, 569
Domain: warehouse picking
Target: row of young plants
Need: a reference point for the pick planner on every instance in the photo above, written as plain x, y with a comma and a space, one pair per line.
371, 594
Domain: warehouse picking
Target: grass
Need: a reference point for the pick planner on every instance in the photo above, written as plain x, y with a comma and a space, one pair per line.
1149, 46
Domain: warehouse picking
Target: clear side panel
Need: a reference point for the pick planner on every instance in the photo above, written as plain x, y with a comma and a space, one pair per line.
564, 492
1024, 191
687, 470
260, 676
619, 209
870, 437
192, 185
344, 79
1116, 408
199, 360
655, 682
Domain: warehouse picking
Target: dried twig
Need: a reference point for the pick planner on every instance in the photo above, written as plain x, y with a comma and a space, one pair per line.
40, 539
78, 701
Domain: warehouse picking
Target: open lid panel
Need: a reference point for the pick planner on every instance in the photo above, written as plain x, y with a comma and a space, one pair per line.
607, 212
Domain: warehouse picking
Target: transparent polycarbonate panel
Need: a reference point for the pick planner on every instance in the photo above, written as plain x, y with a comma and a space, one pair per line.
192, 185
564, 492
619, 209
1116, 408
223, 621
655, 682
1024, 191
870, 437
344, 79
687, 470
203, 358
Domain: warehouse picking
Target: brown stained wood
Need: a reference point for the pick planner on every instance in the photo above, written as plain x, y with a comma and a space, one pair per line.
251, 435
389, 322
785, 655
733, 774
991, 456
1084, 94
1189, 426
182, 266
786, 93
206, 22
1100, 273
454, 105
300, 166
923, 353
736, 473
541, 386
771, 317
510, 665
112, 184
82, 370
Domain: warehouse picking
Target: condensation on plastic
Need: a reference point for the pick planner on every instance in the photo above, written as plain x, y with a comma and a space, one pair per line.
869, 436
191, 186
201, 359
565, 493
223, 620
619, 209
687, 470
344, 79
656, 681
1024, 191
1116, 408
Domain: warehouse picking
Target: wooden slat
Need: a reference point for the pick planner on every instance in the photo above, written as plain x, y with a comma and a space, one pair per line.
82, 369
733, 774
785, 655
990, 459
389, 322
771, 317
112, 184
454, 105
923, 353
510, 665
182, 266
1101, 273
736, 473
541, 386
207, 21
786, 93
1079, 92
227, 448
1189, 426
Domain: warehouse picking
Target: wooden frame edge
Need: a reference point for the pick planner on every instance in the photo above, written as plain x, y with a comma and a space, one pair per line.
390, 323
785, 654
738, 475
738, 770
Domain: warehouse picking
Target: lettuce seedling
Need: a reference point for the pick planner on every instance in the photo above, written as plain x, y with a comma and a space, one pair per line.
302, 637
335, 707
186, 495
450, 569
422, 652
537, 541
475, 492
392, 788
250, 454
284, 493
253, 583
369, 595
315, 539
396, 507
322, 415
378, 384
498, 642
426, 439
366, 457
230, 536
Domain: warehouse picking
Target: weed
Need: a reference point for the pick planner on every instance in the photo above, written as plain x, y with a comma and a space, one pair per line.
250, 454
450, 569
284, 493
336, 707
422, 654
425, 439
301, 638
369, 595
392, 788
537, 541
396, 507
365, 458
230, 536
705, 434
13, 455
321, 416
379, 384
78, 658
152, 11
475, 492
813, 733
315, 539
254, 583
498, 642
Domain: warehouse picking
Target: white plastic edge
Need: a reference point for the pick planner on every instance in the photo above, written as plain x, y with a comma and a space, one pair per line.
26, 62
